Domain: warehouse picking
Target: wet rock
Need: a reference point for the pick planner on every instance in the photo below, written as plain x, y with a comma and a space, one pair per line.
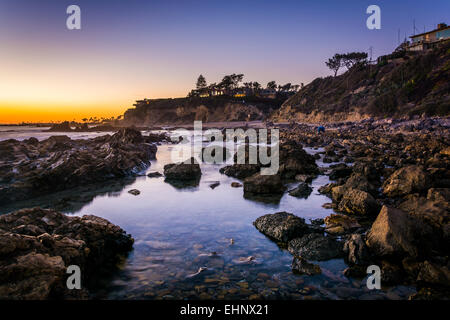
326, 189
188, 170
154, 174
263, 184
236, 185
395, 233
302, 266
302, 191
358, 202
240, 171
405, 181
340, 171
315, 246
59, 163
340, 224
294, 160
34, 266
281, 226
134, 192
308, 178
214, 185
356, 250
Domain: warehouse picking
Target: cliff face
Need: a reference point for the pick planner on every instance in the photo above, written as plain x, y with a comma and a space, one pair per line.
186, 110
402, 84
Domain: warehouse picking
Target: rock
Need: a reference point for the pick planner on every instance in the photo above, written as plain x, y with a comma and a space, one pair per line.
154, 174
281, 226
59, 163
340, 224
391, 273
433, 274
34, 266
214, 185
356, 250
183, 171
340, 171
358, 202
439, 194
134, 192
302, 266
240, 171
263, 184
314, 246
359, 182
405, 181
337, 193
294, 160
236, 185
328, 205
308, 178
394, 233
326, 189
302, 191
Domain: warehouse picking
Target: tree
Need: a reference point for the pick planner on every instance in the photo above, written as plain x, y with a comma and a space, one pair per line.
354, 58
226, 83
272, 85
256, 86
335, 63
201, 82
286, 87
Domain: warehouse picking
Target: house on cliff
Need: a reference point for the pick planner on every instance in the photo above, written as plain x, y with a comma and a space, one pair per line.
430, 39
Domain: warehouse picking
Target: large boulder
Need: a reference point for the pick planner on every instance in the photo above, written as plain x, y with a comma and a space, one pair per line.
355, 201
38, 245
183, 171
395, 234
315, 246
406, 180
281, 226
294, 160
263, 184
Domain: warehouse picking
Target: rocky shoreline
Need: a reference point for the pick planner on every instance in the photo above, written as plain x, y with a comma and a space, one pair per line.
37, 246
32, 168
392, 200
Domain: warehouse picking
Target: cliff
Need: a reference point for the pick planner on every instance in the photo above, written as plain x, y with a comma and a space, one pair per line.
401, 84
212, 109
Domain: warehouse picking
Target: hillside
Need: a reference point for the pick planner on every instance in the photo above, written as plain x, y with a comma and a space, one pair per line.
401, 84
211, 109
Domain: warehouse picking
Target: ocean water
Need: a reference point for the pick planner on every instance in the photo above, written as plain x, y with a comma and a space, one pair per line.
180, 231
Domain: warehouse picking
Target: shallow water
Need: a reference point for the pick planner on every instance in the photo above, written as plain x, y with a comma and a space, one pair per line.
177, 231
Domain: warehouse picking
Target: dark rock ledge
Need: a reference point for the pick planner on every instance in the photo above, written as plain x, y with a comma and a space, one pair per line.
37, 246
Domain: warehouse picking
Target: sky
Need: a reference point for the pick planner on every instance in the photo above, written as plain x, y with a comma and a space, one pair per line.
133, 49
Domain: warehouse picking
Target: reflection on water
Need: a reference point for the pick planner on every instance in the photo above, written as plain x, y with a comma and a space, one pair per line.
199, 242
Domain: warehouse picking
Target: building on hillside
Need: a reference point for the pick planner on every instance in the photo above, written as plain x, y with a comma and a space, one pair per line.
430, 39
268, 93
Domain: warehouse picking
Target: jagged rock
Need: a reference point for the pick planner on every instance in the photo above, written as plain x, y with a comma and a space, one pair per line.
327, 189
59, 163
281, 226
183, 171
395, 233
33, 264
358, 202
294, 160
302, 266
433, 274
340, 224
240, 171
315, 246
406, 180
302, 191
356, 250
263, 184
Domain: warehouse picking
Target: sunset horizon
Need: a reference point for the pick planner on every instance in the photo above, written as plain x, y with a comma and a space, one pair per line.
125, 52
